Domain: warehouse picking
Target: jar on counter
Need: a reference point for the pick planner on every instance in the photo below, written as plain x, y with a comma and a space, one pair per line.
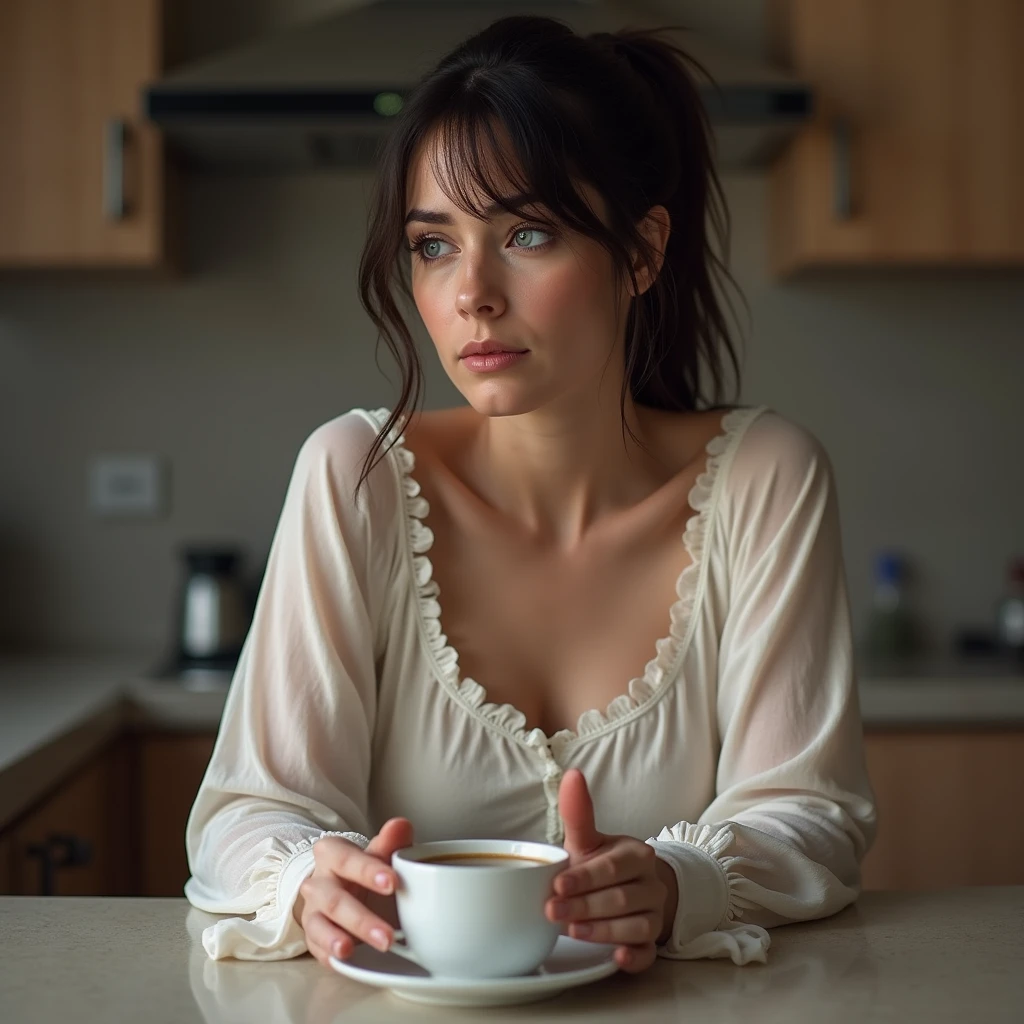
1010, 611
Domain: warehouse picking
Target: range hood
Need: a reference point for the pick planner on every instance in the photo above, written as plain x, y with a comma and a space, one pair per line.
322, 93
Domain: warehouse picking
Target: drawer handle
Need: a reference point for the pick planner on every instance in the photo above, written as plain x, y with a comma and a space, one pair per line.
114, 205
61, 850
842, 183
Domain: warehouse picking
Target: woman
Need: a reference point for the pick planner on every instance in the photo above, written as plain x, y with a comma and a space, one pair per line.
648, 587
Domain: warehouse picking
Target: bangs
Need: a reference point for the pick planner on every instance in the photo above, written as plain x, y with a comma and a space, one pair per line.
481, 164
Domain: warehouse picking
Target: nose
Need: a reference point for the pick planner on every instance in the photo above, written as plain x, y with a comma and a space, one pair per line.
480, 293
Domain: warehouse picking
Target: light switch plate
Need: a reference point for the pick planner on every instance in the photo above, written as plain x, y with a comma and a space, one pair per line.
127, 485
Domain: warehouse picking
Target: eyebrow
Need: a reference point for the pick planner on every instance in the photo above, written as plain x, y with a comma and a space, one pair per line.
436, 217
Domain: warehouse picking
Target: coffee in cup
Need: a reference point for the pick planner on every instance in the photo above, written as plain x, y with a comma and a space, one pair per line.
474, 908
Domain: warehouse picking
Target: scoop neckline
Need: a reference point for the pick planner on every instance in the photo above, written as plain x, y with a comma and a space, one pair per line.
642, 692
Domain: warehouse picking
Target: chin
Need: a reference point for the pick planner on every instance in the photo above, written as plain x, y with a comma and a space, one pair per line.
497, 398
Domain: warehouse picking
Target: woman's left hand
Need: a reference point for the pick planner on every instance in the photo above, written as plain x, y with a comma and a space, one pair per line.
615, 889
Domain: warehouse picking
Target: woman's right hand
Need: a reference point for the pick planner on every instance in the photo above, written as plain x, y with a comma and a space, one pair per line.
332, 905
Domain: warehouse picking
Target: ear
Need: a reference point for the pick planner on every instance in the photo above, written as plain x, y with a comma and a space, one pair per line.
655, 227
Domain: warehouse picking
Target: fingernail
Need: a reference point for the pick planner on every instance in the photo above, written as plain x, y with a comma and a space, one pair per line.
582, 931
383, 881
559, 909
337, 949
380, 939
567, 886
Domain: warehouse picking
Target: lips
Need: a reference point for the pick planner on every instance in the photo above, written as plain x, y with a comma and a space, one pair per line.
487, 348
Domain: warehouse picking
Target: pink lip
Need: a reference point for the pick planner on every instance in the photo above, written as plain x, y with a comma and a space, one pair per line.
487, 348
488, 363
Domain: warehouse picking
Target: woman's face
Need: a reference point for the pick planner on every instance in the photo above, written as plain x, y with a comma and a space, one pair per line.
538, 290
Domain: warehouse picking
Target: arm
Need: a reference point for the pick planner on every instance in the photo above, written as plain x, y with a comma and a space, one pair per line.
793, 815
292, 758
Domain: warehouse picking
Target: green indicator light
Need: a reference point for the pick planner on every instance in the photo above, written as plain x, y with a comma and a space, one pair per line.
387, 104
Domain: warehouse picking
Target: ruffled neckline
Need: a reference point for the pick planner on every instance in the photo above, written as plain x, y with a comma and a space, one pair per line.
642, 691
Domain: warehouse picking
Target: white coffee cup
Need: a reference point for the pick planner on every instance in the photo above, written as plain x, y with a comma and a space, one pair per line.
476, 918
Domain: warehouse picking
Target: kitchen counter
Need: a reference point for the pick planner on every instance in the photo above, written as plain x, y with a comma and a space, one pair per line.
952, 956
55, 712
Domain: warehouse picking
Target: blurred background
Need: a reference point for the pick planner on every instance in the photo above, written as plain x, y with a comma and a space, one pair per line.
183, 194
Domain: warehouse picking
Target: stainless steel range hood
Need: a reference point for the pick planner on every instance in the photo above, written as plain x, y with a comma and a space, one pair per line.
322, 93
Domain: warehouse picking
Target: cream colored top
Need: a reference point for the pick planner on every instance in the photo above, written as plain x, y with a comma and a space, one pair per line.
737, 754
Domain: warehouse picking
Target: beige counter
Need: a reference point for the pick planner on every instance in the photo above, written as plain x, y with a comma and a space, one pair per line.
953, 956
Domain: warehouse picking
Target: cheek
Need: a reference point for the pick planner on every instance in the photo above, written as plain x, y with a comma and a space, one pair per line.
567, 303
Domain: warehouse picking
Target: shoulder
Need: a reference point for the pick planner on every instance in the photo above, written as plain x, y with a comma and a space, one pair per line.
773, 470
770, 450
330, 462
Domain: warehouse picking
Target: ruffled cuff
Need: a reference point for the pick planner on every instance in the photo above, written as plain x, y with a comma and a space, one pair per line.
273, 934
709, 905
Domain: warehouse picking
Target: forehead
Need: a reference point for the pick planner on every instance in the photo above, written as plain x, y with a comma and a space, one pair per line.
438, 181
438, 176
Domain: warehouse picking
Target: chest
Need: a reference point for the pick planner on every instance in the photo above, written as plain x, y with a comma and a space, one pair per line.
553, 635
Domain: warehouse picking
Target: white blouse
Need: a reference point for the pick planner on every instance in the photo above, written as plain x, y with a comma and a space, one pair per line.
738, 754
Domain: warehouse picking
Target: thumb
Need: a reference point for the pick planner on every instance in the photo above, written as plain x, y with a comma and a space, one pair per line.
577, 810
394, 834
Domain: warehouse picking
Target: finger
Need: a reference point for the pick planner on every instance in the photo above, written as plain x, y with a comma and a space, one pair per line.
619, 864
325, 939
634, 930
350, 914
633, 959
618, 901
577, 811
394, 834
345, 860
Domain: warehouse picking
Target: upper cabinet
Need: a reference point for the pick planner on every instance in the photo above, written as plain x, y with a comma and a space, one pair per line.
915, 154
82, 177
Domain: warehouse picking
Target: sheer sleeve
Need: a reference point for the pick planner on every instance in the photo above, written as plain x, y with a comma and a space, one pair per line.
793, 813
292, 758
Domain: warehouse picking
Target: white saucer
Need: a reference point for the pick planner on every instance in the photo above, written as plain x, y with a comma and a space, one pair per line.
571, 963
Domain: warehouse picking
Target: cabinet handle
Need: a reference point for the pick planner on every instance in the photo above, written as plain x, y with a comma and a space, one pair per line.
842, 188
60, 850
114, 205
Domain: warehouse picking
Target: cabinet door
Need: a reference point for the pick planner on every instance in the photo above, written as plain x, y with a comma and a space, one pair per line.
929, 96
171, 769
949, 809
6, 864
90, 809
71, 75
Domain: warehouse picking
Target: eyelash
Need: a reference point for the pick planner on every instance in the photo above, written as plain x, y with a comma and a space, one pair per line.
416, 245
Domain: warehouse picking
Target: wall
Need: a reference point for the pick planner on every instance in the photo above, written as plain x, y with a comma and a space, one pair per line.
911, 380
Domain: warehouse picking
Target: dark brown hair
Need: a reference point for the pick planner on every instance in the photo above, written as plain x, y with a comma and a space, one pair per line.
620, 111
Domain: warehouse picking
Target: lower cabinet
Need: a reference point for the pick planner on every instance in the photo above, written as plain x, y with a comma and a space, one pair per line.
77, 841
116, 827
6, 864
171, 767
949, 808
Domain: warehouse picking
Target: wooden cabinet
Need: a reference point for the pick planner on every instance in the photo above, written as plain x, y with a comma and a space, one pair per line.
115, 827
171, 767
83, 180
949, 809
6, 865
915, 154
77, 841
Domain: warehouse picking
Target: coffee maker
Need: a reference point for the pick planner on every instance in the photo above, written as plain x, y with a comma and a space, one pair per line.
214, 612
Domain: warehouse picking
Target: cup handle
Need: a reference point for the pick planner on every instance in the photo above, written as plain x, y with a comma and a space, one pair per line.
400, 946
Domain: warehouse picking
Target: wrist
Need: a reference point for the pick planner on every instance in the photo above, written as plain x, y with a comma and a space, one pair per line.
667, 876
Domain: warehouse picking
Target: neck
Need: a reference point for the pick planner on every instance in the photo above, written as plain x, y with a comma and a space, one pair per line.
559, 470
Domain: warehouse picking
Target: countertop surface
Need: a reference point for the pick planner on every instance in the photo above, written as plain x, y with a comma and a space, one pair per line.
953, 956
54, 710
